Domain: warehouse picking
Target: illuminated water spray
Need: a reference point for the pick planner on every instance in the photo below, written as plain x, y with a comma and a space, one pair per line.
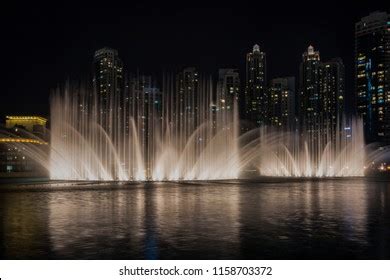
328, 152
143, 134
139, 135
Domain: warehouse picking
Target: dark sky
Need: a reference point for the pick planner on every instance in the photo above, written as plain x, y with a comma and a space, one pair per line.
44, 46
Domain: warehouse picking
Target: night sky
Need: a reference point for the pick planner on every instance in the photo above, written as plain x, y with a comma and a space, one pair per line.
44, 46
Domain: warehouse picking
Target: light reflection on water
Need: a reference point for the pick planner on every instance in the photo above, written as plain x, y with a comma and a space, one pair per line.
329, 219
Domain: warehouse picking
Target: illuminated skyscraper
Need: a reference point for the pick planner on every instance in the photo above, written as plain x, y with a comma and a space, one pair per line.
187, 100
321, 99
228, 92
281, 93
256, 107
310, 105
372, 75
228, 88
332, 91
108, 72
107, 82
144, 107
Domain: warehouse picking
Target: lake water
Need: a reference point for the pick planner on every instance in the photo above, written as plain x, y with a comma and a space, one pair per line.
251, 219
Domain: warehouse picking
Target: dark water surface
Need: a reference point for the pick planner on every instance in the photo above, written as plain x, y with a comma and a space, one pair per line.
323, 219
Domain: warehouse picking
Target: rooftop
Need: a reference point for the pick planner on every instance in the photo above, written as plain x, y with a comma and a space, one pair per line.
26, 118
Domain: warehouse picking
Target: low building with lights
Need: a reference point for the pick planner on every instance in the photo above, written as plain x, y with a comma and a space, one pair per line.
32, 124
24, 147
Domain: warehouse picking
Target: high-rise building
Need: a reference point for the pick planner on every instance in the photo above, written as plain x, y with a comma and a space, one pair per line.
144, 96
322, 94
107, 82
228, 92
310, 105
372, 75
228, 89
186, 101
256, 107
332, 91
281, 93
144, 106
107, 72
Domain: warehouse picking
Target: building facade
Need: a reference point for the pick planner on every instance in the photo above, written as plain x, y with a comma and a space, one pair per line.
33, 124
186, 100
227, 97
321, 94
332, 91
310, 106
108, 83
372, 75
143, 103
228, 89
281, 93
256, 99
24, 148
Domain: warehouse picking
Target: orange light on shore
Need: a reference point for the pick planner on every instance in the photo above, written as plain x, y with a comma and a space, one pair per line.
22, 140
25, 118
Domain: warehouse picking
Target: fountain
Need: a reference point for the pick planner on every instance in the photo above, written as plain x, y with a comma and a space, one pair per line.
143, 135
328, 152
128, 137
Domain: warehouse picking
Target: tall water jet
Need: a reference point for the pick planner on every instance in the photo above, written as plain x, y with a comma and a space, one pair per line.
139, 135
328, 152
127, 136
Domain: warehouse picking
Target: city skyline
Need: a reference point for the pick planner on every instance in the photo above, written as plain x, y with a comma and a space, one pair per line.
154, 51
247, 130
